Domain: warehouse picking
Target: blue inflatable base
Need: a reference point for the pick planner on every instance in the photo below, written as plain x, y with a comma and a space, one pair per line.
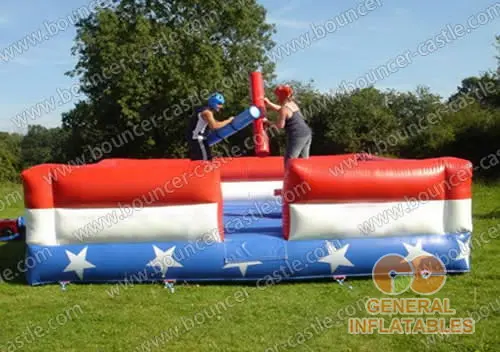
253, 250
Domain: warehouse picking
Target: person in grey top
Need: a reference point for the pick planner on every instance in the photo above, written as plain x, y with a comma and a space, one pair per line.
299, 134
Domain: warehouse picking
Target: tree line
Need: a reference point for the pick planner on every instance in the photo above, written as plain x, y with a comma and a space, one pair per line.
139, 108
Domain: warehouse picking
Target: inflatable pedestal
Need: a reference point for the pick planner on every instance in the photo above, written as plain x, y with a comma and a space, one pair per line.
153, 220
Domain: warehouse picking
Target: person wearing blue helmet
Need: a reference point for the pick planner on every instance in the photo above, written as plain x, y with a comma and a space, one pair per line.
201, 123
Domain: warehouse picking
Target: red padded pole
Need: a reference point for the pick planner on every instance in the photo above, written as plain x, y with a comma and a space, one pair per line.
257, 93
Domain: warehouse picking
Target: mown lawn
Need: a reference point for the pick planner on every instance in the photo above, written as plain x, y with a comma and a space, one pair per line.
235, 317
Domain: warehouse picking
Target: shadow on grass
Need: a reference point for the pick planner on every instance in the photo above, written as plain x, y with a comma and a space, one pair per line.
12, 255
264, 282
285, 282
495, 214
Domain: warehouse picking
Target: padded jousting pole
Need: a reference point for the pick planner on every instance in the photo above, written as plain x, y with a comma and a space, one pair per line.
240, 122
261, 138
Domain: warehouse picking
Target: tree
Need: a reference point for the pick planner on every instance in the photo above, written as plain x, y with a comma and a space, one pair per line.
420, 131
484, 89
80, 125
145, 65
43, 145
476, 132
10, 156
351, 122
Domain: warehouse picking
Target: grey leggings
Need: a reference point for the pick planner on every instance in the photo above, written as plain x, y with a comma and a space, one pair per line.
298, 147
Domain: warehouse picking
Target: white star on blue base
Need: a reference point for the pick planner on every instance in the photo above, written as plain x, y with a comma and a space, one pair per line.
164, 260
266, 255
415, 251
242, 266
464, 251
78, 263
336, 257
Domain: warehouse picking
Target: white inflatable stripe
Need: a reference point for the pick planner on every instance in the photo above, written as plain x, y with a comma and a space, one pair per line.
324, 221
40, 226
458, 215
258, 190
57, 226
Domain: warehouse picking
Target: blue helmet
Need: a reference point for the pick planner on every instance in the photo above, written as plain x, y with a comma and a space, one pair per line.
215, 99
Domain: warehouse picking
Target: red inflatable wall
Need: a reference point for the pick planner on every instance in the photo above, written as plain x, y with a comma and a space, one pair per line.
329, 181
251, 169
113, 182
105, 187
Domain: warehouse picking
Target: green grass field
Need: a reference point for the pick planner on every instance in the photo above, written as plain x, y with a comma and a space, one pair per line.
285, 317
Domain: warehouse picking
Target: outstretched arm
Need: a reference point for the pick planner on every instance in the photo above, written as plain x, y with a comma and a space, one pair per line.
213, 123
273, 106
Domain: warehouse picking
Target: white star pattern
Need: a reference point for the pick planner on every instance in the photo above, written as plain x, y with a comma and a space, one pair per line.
78, 263
164, 260
242, 266
335, 257
464, 251
415, 251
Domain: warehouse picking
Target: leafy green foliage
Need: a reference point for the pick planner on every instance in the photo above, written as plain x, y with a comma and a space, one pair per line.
484, 89
145, 65
10, 162
155, 61
43, 145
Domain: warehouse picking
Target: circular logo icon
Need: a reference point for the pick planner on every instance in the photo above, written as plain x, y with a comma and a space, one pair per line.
393, 274
430, 275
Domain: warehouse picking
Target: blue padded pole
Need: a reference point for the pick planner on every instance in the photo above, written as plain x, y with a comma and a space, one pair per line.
240, 122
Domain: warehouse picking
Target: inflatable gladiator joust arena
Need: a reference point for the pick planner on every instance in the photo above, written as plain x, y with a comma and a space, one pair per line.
245, 218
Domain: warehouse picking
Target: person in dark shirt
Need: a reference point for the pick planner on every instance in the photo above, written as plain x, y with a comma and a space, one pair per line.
200, 125
299, 134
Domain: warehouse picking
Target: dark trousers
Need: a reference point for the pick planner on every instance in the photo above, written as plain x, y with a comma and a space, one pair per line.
199, 150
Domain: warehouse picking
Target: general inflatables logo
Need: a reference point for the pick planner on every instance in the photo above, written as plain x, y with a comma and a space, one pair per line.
393, 274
